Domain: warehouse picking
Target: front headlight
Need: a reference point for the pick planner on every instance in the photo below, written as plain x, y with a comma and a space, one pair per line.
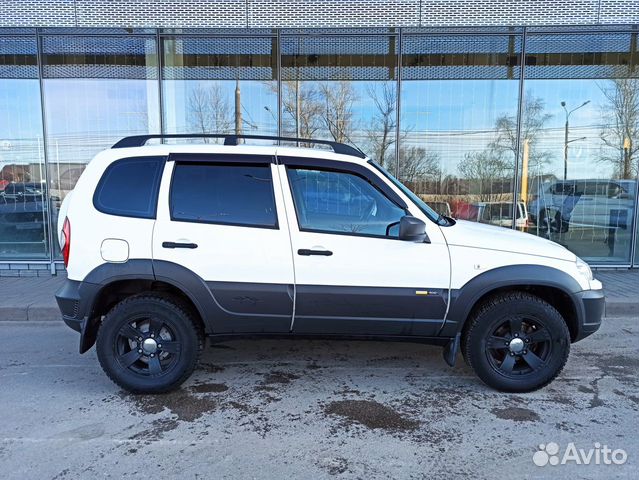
584, 269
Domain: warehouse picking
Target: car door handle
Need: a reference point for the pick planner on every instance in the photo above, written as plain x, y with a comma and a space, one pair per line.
178, 245
306, 252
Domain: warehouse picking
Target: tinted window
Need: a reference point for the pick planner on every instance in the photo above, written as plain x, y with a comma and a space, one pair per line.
129, 187
229, 194
342, 202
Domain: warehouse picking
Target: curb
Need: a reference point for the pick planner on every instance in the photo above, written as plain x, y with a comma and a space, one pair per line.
52, 313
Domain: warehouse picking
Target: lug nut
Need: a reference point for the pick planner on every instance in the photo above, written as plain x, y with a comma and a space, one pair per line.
152, 355
152, 335
525, 352
140, 350
159, 345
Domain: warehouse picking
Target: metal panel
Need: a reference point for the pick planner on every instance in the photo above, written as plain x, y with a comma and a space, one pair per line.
619, 11
175, 13
333, 13
509, 12
37, 13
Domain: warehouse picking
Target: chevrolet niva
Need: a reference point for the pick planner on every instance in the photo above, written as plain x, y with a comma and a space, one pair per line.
168, 244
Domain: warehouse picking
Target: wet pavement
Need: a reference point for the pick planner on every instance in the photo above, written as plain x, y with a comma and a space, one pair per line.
310, 409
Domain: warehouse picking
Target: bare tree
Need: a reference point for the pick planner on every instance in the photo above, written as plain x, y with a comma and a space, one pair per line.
381, 129
485, 169
209, 110
620, 133
302, 107
534, 119
338, 98
417, 166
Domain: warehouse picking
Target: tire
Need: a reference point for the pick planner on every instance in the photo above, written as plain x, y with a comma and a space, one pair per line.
516, 342
170, 349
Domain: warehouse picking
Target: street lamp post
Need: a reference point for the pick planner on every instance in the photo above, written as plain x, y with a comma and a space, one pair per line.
566, 141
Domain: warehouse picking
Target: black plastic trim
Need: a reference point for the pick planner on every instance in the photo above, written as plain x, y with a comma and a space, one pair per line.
233, 139
464, 299
222, 158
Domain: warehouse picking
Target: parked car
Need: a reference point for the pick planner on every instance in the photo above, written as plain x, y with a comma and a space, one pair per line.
168, 244
585, 203
501, 213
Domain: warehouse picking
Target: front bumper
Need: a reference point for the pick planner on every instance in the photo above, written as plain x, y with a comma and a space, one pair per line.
591, 304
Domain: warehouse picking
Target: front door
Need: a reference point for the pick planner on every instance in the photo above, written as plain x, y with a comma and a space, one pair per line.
221, 234
353, 275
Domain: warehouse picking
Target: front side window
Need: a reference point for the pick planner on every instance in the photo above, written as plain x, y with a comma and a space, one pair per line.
232, 194
129, 187
342, 202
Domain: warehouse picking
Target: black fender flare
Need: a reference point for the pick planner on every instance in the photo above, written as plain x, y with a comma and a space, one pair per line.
463, 300
173, 274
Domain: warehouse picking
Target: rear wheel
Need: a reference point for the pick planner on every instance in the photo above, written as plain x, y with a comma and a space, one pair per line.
517, 342
149, 344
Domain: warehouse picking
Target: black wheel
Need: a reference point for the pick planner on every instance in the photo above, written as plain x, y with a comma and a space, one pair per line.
516, 342
149, 344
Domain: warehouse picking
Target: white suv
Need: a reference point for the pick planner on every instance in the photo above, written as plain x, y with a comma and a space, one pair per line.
168, 244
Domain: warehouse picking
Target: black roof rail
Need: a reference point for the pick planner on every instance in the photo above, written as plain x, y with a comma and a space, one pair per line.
232, 139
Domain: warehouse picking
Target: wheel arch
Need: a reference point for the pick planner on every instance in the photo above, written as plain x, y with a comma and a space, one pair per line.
550, 284
114, 282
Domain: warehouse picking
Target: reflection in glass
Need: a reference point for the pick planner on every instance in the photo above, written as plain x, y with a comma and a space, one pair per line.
342, 89
459, 122
96, 91
23, 205
579, 174
219, 85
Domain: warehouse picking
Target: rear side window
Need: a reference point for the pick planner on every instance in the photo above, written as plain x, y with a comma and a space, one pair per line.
129, 187
231, 194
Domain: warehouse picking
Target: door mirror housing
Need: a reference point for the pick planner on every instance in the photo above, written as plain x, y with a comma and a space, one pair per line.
412, 229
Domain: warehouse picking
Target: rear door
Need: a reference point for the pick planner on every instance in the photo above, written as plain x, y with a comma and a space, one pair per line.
353, 275
222, 233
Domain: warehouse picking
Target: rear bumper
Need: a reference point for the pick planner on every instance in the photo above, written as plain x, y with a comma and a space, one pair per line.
75, 300
591, 304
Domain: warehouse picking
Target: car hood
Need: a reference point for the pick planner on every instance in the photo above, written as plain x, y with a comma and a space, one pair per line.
490, 237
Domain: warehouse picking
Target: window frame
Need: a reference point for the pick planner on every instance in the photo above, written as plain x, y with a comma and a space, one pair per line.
161, 159
223, 160
336, 167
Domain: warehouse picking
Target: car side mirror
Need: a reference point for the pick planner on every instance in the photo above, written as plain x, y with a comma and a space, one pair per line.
412, 229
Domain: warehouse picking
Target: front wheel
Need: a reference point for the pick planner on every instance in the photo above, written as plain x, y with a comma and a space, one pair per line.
149, 344
517, 342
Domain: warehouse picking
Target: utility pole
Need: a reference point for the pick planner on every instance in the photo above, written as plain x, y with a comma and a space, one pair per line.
566, 141
238, 109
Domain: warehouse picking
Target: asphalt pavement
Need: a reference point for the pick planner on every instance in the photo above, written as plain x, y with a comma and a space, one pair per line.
312, 409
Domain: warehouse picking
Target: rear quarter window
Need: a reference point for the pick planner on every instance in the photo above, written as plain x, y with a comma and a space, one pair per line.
129, 187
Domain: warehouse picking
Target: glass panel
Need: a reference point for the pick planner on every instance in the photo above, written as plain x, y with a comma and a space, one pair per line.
96, 91
343, 89
129, 187
459, 104
579, 151
343, 203
227, 194
220, 85
23, 201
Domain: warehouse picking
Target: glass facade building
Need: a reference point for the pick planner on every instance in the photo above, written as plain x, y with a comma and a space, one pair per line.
529, 128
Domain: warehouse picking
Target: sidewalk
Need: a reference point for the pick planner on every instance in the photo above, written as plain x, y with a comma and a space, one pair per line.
31, 298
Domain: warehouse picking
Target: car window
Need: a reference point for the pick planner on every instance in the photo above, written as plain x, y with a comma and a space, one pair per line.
129, 187
342, 202
233, 194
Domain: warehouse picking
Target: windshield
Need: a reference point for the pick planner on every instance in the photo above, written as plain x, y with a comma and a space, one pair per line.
423, 206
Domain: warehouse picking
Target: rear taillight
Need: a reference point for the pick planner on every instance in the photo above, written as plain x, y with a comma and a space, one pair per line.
65, 241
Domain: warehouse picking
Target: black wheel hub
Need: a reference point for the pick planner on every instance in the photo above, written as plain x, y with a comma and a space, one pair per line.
518, 345
147, 346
